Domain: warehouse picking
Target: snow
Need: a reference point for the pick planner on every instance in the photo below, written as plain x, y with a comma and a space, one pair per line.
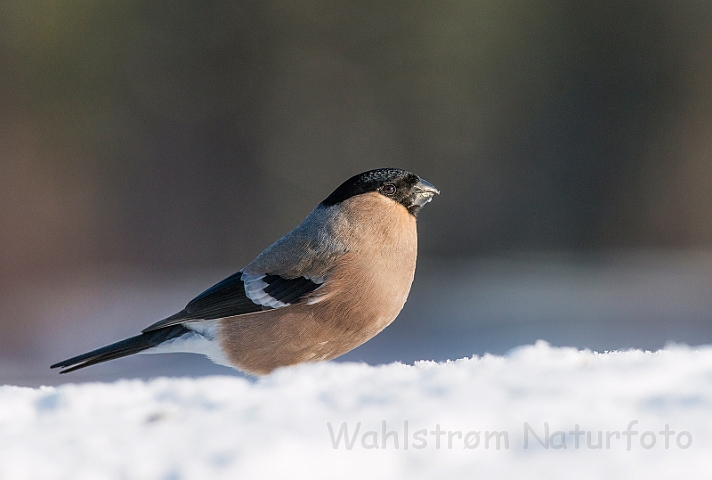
287, 425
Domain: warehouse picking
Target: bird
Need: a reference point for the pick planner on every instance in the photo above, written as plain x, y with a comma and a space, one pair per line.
331, 284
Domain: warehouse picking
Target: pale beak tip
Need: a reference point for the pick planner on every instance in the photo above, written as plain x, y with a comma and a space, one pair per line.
426, 186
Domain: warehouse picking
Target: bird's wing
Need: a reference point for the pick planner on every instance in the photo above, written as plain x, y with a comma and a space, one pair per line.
240, 294
281, 275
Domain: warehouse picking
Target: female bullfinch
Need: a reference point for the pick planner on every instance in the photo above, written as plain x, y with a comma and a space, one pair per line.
326, 287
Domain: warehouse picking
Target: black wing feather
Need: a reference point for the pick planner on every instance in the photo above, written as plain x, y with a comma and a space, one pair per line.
224, 299
228, 299
288, 290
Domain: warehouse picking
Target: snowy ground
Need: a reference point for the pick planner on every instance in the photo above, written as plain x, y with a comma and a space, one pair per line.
492, 413
181, 417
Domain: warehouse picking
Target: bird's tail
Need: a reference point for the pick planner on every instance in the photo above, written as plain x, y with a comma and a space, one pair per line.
123, 348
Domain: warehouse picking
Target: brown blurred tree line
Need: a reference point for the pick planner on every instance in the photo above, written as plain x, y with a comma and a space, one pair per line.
191, 134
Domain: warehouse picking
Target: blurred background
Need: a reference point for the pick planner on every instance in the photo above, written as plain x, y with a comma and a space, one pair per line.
148, 149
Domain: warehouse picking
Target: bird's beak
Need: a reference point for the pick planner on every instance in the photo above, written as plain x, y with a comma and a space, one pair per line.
423, 192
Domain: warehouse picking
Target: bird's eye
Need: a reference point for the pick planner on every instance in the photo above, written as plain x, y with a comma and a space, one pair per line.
388, 189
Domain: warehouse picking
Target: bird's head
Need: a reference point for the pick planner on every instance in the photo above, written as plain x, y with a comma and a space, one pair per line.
401, 186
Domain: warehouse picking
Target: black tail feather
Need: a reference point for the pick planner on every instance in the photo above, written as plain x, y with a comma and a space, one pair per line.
123, 348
